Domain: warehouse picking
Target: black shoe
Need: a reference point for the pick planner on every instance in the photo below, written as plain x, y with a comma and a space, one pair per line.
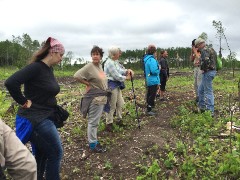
120, 122
151, 113
198, 111
158, 96
98, 149
109, 127
197, 99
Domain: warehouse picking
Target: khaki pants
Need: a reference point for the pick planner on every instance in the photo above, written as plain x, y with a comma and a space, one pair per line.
20, 163
197, 79
116, 103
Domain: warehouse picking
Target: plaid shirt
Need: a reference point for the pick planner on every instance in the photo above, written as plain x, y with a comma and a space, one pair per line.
114, 70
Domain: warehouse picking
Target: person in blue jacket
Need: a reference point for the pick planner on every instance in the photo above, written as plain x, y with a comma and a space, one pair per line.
151, 68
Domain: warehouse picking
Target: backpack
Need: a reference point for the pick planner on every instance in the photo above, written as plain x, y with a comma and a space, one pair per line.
219, 63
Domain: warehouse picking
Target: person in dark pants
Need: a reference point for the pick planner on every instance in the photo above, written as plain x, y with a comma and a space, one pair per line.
164, 73
37, 104
152, 71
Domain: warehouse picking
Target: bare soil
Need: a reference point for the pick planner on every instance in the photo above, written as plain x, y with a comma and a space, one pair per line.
129, 149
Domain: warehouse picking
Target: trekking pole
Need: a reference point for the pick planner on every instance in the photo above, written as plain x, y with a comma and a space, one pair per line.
135, 101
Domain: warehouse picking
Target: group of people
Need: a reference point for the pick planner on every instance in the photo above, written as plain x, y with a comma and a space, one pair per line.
103, 94
38, 102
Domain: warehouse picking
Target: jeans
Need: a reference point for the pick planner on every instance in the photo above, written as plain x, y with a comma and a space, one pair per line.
205, 91
49, 150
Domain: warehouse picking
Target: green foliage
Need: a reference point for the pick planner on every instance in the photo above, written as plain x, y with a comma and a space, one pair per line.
108, 165
18, 51
229, 165
178, 81
4, 104
7, 71
180, 147
171, 160
197, 154
151, 172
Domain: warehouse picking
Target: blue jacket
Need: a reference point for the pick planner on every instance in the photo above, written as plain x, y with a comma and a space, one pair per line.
151, 70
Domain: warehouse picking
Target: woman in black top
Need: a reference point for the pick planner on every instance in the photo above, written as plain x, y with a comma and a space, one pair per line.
37, 104
164, 73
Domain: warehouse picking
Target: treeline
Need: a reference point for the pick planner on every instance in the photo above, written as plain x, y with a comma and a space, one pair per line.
18, 51
177, 57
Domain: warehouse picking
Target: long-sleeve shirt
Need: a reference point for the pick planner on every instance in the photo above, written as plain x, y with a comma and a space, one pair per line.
164, 66
40, 86
115, 71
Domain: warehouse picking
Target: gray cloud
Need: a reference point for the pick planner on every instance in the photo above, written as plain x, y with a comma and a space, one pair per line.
129, 24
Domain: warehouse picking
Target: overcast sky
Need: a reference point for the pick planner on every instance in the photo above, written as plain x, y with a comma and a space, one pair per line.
129, 24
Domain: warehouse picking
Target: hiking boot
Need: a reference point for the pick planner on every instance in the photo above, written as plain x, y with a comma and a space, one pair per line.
197, 99
201, 110
98, 149
119, 122
150, 113
198, 110
109, 127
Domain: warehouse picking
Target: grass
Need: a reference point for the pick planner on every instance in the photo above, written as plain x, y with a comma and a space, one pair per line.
195, 155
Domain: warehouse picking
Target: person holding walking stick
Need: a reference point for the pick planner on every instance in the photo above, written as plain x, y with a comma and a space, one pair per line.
116, 75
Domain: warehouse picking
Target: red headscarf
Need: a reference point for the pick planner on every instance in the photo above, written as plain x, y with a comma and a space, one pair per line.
56, 46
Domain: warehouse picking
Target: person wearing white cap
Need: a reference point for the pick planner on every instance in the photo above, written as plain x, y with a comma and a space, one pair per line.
208, 66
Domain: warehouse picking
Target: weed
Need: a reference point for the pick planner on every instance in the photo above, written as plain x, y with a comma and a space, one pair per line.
151, 172
108, 165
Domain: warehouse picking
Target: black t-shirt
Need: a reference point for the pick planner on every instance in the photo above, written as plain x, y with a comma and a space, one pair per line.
40, 86
164, 67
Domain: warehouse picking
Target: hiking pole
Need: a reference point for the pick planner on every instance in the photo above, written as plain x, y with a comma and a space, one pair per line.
135, 101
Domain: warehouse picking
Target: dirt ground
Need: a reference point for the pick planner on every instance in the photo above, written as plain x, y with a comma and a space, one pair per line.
129, 150
133, 147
